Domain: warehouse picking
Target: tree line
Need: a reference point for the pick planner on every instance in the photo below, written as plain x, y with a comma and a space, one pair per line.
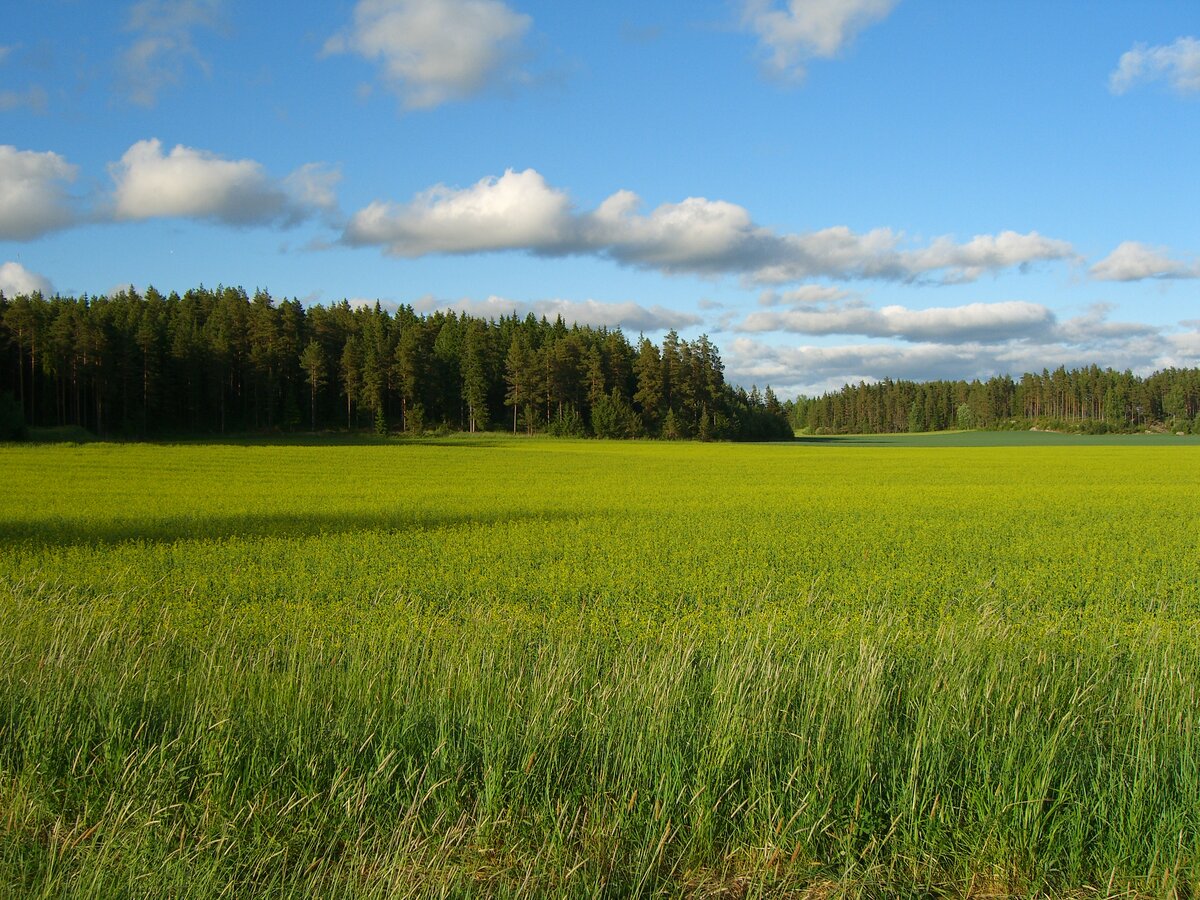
1089, 399
218, 361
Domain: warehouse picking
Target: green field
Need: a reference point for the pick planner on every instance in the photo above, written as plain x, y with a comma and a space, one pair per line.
501, 666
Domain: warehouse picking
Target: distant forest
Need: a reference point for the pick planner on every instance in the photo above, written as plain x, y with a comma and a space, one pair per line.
1090, 400
221, 361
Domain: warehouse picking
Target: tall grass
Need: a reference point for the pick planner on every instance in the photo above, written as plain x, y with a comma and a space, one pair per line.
533, 668
479, 756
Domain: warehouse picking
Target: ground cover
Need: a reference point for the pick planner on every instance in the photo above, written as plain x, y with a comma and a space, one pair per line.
513, 666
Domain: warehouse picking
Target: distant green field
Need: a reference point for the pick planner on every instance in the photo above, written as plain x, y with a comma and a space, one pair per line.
849, 666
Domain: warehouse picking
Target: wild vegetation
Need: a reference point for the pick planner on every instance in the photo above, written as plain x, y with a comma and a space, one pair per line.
1089, 400
219, 361
502, 666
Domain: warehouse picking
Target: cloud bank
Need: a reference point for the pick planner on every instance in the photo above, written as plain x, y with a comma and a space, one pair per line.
520, 211
435, 51
972, 341
979, 322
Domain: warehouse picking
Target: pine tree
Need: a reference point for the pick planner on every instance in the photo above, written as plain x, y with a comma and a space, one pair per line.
313, 362
351, 369
474, 375
647, 367
517, 376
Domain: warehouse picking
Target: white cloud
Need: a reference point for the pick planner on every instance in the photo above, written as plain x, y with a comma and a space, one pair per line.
314, 184
627, 315
980, 322
838, 252
190, 183
163, 45
1095, 330
33, 199
434, 51
989, 253
697, 234
1178, 64
835, 252
949, 350
814, 369
1133, 261
517, 211
808, 29
520, 211
805, 295
1183, 351
15, 279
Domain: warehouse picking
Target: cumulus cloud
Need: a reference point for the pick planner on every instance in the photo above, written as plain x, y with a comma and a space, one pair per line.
693, 235
33, 196
517, 211
627, 315
1134, 261
435, 51
981, 322
808, 29
15, 280
190, 183
987, 253
163, 44
1178, 64
520, 211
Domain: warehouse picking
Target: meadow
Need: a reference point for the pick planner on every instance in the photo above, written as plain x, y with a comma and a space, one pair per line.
529, 667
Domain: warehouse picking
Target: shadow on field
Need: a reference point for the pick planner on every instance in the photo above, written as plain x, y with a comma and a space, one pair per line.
167, 530
335, 439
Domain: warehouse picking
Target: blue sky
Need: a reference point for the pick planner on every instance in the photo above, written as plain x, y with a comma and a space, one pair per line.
833, 190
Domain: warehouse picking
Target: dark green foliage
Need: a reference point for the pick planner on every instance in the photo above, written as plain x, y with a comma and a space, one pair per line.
965, 417
613, 417
221, 361
1086, 401
672, 429
568, 424
12, 420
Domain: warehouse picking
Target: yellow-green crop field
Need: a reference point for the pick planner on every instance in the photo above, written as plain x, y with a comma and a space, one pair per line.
523, 667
